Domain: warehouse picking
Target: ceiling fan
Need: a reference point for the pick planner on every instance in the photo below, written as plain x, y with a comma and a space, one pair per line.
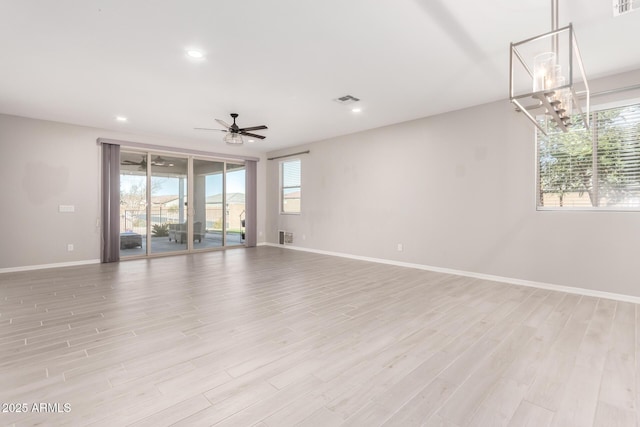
157, 161
234, 133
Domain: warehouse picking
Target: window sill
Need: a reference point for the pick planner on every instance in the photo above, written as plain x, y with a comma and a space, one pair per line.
584, 209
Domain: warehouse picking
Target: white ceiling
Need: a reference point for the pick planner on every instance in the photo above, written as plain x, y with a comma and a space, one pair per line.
278, 62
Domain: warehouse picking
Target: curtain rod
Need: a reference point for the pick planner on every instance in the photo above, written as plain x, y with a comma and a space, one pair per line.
131, 144
289, 155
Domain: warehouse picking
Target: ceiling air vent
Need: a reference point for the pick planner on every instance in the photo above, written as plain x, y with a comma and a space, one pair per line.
621, 7
347, 99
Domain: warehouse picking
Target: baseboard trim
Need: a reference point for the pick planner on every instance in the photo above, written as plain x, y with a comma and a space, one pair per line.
44, 266
482, 276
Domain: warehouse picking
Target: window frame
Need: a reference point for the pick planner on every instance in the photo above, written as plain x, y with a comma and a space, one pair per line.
282, 188
593, 121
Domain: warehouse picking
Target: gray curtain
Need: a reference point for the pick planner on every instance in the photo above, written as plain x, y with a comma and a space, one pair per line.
110, 203
251, 183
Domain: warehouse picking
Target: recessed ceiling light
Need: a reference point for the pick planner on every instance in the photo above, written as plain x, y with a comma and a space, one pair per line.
121, 119
195, 54
251, 140
356, 110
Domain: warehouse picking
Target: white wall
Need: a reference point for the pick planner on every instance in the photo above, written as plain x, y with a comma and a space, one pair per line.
46, 164
458, 191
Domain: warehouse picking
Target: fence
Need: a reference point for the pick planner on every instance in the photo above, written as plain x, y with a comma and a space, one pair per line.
135, 220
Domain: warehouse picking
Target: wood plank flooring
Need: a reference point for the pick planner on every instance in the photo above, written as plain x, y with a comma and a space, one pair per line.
273, 337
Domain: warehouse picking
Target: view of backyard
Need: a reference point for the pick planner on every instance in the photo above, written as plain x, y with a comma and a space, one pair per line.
594, 168
217, 212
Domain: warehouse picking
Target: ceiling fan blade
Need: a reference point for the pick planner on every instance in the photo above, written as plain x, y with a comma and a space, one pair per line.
130, 163
223, 123
261, 127
219, 130
252, 135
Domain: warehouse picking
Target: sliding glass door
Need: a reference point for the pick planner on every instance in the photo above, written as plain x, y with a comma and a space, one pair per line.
171, 203
133, 204
235, 204
208, 193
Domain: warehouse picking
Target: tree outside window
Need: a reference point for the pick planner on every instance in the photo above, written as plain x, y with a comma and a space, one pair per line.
595, 168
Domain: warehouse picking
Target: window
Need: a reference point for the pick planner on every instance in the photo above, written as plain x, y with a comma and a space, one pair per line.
173, 203
290, 186
597, 168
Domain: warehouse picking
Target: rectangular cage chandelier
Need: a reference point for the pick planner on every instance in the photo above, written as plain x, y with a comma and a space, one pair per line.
547, 81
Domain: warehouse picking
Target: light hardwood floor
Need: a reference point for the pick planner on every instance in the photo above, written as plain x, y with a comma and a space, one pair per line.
274, 337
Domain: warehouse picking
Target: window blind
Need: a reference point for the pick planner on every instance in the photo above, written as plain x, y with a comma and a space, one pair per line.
595, 168
618, 157
290, 194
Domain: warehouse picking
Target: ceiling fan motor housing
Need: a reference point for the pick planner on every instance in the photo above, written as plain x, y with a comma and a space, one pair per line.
234, 127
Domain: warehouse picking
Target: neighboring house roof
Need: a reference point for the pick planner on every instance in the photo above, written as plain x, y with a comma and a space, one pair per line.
232, 198
163, 200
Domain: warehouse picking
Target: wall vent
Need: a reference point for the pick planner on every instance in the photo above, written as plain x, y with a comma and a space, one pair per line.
285, 237
622, 7
346, 100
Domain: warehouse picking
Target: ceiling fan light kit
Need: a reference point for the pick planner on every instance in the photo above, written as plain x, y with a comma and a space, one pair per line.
547, 77
233, 138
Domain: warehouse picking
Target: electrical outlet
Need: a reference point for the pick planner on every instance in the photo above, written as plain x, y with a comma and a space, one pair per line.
70, 247
400, 247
